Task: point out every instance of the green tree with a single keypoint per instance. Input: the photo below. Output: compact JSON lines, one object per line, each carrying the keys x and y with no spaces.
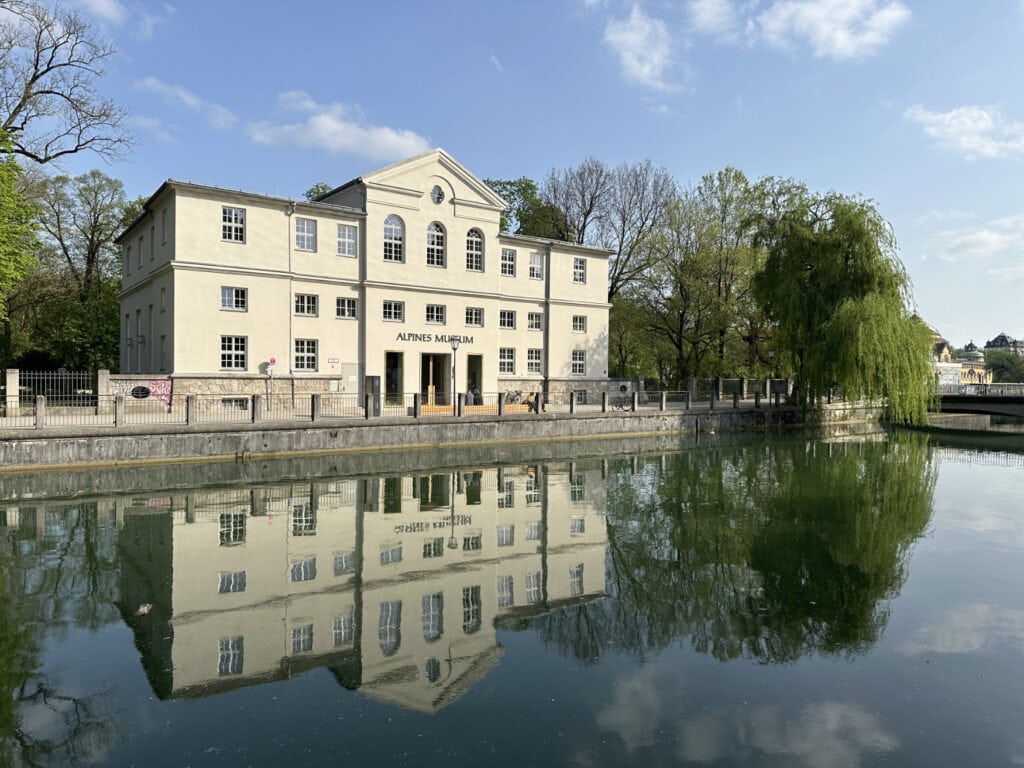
{"x":317,"y":191}
{"x":837,"y":293}
{"x":1005,"y":366}
{"x":527,"y":214}
{"x":17,"y":228}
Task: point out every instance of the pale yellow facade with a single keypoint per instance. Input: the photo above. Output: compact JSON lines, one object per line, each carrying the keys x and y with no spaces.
{"x":236,"y":290}
{"x":397,"y":584}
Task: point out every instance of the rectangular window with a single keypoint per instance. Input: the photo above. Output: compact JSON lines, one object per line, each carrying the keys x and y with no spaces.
{"x":233,"y":353}
{"x":580,"y":396}
{"x":533,"y":360}
{"x":344,"y":562}
{"x":127,"y":259}
{"x":304,"y":570}
{"x":344,"y":629}
{"x":305,"y":354}
{"x":303,"y":519}
{"x":506,"y":360}
{"x":307,"y":304}
{"x":578,"y":524}
{"x":533,"y":530}
{"x":234,"y":299}
{"x":305,"y":234}
{"x":231,"y":656}
{"x":232,"y":528}
{"x":472,"y":618}
{"x":577,"y":493}
{"x":579,"y":362}
{"x":576,"y":580}
{"x":394,"y":311}
{"x":163,"y":299}
{"x":435,"y":314}
{"x":579,"y":323}
{"x":533,"y":583}
{"x":536,"y":266}
{"x":506,"y":535}
{"x":346,"y":308}
{"x":390,"y":553}
{"x":579,"y":270}
{"x":507,"y":319}
{"x":138,"y":255}
{"x":347,"y":240}
{"x":506,"y":494}
{"x":231,"y":581}
{"x":433,"y":616}
{"x":152,"y":243}
{"x":471,"y":542}
{"x":475,"y":316}
{"x":506,"y":596}
{"x":163,"y":226}
{"x":532,"y":489}
{"x":232,"y":227}
{"x":508,"y":262}
{"x":433,"y":547}
{"x":302,"y":639}
{"x":535,"y":321}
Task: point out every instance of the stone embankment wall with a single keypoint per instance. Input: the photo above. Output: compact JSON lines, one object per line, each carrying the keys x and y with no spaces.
{"x":52,"y":449}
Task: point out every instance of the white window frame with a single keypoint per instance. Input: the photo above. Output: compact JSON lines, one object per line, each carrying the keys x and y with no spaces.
{"x":234,"y":353}
{"x":475,"y":317}
{"x":307,"y":305}
{"x":305,"y":234}
{"x":508,"y":262}
{"x":436,"y":314}
{"x":346,"y":309}
{"x":579,"y":362}
{"x":393,"y":311}
{"x":507,"y":319}
{"x":534,"y":358}
{"x":505,"y":535}
{"x":579,"y":323}
{"x":507,"y":360}
{"x":394,"y":239}
{"x":474,"y":250}
{"x":232,"y":299}
{"x":232,"y":224}
{"x":535,"y":321}
{"x":348,"y":240}
{"x":306,"y":354}
{"x":436,"y":245}
{"x":579,"y":270}
{"x":536,"y":266}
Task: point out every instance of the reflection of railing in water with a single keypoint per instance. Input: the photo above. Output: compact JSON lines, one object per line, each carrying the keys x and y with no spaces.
{"x":980,"y":458}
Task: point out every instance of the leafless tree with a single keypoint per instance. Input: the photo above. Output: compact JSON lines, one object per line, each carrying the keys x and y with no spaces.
{"x":50,"y":63}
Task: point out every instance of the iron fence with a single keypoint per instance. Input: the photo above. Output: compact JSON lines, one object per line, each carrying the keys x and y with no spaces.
{"x":69,"y":388}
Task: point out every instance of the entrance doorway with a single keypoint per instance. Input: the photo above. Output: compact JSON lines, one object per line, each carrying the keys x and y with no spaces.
{"x":435,"y":377}
{"x":474,"y":373}
{"x":393,"y":378}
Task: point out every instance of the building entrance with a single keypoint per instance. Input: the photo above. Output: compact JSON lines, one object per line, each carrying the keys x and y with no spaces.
{"x":474,"y":373}
{"x":393,"y":378}
{"x":435,"y":379}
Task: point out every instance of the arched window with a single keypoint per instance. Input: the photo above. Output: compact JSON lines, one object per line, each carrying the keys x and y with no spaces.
{"x":475,"y":250}
{"x":394,"y":239}
{"x":435,"y":245}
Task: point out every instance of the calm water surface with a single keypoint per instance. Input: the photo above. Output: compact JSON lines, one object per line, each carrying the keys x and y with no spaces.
{"x":771,"y":602}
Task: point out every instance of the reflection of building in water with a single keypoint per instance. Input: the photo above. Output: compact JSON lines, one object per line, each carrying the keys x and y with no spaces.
{"x":394,"y":583}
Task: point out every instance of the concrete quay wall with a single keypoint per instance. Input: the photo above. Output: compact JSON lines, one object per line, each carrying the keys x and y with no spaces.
{"x":60,"y":449}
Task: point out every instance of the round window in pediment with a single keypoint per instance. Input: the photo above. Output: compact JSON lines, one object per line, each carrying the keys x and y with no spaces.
{"x":437,"y":195}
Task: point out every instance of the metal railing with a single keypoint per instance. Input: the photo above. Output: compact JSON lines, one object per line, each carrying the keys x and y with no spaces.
{"x":113,"y":411}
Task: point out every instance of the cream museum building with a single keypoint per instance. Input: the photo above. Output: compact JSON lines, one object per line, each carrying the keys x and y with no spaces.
{"x":386,"y":284}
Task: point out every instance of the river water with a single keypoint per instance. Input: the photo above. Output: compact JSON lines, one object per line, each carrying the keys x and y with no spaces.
{"x":735,"y":601}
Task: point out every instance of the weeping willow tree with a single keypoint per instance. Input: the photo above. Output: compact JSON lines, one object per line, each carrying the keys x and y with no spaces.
{"x":834,"y":286}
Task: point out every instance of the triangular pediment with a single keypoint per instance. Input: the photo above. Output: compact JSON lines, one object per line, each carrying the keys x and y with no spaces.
{"x":420,"y":174}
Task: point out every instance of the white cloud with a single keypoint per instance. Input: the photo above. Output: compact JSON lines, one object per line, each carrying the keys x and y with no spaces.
{"x":217,"y":115}
{"x":841,"y":29}
{"x":972,"y":131}
{"x":110,"y":11}
{"x":496,"y":63}
{"x":153,"y":126}
{"x":968,"y":628}
{"x":713,"y":17}
{"x":644,"y":48}
{"x":137,"y":15}
{"x":1004,"y":236}
{"x":336,"y":128}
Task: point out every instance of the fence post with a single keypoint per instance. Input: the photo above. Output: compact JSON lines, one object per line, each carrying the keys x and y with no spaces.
{"x":315,"y":406}
{"x":190,"y":410}
{"x":735,"y":400}
{"x":743,"y":388}
{"x":118,"y":410}
{"x":257,"y":408}
{"x":13,"y":382}
{"x":663,"y":400}
{"x":711,"y":403}
{"x":572,"y":403}
{"x":717,"y":383}
{"x":691,"y":387}
{"x":102,"y":383}
{"x":40,"y":411}
{"x":686,"y":400}
{"x":367,"y":398}
{"x":417,"y":406}
{"x":460,"y":405}
{"x":636,"y":401}
{"x":757,"y":399}
{"x":776,"y":399}
{"x":604,"y":402}
{"x":501,"y":404}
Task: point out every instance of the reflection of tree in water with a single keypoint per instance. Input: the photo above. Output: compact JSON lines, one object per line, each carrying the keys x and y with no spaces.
{"x":58,"y":571}
{"x":761,"y":553}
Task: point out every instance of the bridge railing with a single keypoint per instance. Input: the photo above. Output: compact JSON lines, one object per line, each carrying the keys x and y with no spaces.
{"x":990,"y":390}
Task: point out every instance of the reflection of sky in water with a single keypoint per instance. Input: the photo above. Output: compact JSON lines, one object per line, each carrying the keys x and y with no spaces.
{"x":983,"y":501}
{"x":968,"y":628}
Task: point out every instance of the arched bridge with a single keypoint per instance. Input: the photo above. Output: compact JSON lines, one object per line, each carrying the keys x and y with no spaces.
{"x":993,"y":399}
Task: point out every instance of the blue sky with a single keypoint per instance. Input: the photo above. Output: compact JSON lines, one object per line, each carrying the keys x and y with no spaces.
{"x":918,"y":105}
